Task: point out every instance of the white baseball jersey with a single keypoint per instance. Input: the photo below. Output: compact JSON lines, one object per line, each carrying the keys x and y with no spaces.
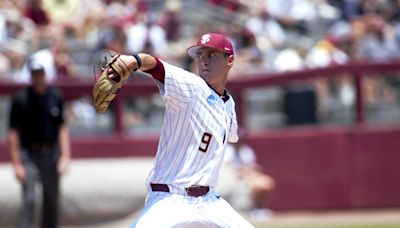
{"x":196,"y":128}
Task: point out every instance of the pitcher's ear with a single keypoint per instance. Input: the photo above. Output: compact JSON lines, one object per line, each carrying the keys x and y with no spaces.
{"x":231,"y":58}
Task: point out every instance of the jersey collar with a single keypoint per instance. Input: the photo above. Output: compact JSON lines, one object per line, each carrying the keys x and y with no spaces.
{"x":225,"y":97}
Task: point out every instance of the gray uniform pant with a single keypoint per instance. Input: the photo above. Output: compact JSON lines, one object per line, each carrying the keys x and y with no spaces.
{"x":40,"y":167}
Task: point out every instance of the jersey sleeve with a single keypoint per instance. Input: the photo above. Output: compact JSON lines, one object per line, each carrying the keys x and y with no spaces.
{"x":179,"y":86}
{"x":15,"y":114}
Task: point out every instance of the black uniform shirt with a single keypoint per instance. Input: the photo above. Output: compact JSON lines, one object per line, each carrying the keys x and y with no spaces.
{"x":37,"y":118}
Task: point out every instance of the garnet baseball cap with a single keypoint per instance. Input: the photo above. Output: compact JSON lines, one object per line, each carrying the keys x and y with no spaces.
{"x":212,"y":40}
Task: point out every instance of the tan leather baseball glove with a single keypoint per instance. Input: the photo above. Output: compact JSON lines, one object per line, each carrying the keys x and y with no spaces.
{"x":116,"y":72}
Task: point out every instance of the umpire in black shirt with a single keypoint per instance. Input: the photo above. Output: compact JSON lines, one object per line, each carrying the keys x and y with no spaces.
{"x":39,"y":146}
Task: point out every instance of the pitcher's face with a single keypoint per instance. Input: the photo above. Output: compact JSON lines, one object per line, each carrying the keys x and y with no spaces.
{"x":213,"y":63}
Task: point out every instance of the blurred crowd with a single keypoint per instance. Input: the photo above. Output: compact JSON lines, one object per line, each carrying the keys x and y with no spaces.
{"x":268,"y":35}
{"x":69,"y":38}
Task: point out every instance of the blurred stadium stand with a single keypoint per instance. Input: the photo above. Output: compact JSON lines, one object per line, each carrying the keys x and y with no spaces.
{"x":339,"y":161}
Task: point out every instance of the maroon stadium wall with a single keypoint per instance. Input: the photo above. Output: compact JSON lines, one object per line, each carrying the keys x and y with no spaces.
{"x":331,"y":168}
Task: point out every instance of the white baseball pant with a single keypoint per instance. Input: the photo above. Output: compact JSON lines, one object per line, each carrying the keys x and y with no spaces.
{"x":166,"y":210}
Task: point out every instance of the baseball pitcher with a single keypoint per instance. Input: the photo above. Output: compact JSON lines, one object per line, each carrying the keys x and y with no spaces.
{"x":200,"y":119}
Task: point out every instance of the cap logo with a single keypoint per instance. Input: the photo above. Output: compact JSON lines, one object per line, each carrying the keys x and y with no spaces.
{"x":205,"y":38}
{"x":227,"y":49}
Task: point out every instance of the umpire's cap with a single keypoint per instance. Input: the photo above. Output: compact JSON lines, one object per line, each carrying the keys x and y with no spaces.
{"x":212,"y":40}
{"x":35,"y":67}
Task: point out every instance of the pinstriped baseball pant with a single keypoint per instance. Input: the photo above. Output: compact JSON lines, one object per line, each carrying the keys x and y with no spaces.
{"x":166,"y":210}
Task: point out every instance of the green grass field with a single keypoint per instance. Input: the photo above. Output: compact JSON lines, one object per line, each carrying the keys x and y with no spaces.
{"x":338,"y":225}
{"x":384,"y":218}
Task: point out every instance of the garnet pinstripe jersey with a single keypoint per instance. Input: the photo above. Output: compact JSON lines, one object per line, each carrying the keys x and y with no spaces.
{"x":197,"y":126}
